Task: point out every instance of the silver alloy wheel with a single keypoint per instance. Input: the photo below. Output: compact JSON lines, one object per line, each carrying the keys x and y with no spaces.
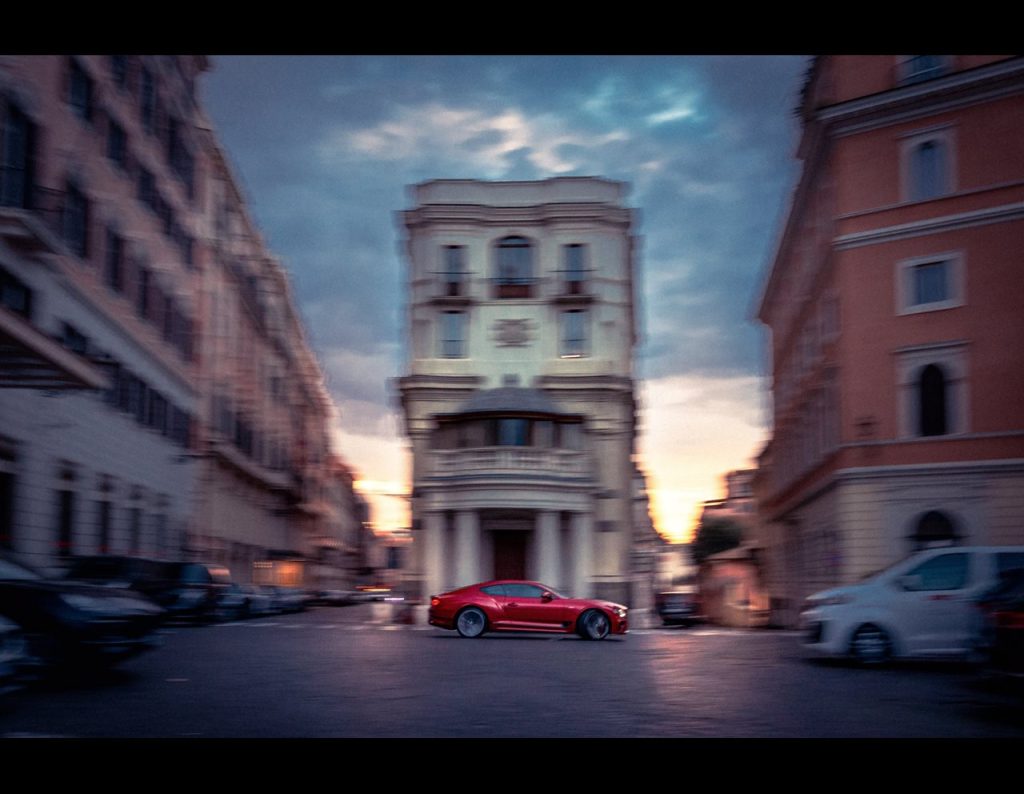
{"x":471,"y":622}
{"x":595,"y":625}
{"x":871,"y":645}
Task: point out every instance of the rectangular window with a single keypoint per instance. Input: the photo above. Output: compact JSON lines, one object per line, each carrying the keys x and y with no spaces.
{"x":515,"y":268}
{"x":453,"y":343}
{"x":15,"y":295}
{"x":147,"y":105}
{"x":147,"y":189}
{"x":918,"y":68}
{"x":103,"y":526}
{"x":74,"y":340}
{"x":573,"y":334}
{"x":142,"y":296}
{"x":16,"y":137}
{"x":6,"y":510}
{"x":80,"y":95}
{"x":117,"y":150}
{"x":65,"y":523}
{"x":119,"y":70}
{"x":575,"y":274}
{"x":454,"y":269}
{"x":115,"y":261}
{"x":76,"y":221}
{"x":929,"y":284}
{"x":513,"y":432}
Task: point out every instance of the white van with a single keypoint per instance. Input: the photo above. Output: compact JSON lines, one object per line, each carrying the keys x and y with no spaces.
{"x":923,"y":606}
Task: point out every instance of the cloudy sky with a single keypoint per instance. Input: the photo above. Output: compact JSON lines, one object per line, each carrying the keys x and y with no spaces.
{"x":324,"y":148}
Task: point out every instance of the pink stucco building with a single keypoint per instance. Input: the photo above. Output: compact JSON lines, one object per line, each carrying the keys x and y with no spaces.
{"x":895,"y":311}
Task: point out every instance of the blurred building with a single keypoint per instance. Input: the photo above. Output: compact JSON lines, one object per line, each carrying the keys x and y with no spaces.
{"x":647,"y":546}
{"x":265,"y":464}
{"x":894,"y":310}
{"x":519,"y":402}
{"x":99,"y":258}
{"x":738,"y":504}
{"x":160,"y":396}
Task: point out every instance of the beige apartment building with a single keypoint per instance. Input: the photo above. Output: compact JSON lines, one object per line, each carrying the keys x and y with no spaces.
{"x":519,"y":398}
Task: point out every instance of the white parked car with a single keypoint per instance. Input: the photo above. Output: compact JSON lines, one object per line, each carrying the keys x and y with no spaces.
{"x":923,"y":606}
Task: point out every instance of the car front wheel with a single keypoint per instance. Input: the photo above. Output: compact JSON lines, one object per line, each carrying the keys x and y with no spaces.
{"x":594,"y":625}
{"x":871,"y":645}
{"x":471,"y":622}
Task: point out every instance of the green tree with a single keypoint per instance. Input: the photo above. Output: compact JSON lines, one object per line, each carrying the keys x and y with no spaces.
{"x":715,"y":534}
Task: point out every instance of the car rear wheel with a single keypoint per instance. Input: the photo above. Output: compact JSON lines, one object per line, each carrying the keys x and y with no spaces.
{"x":871,"y":645}
{"x":594,"y":625}
{"x":471,"y":622}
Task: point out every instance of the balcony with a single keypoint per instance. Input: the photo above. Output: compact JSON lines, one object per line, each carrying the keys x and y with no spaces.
{"x":512,"y":463}
{"x":451,"y":291}
{"x":573,"y":290}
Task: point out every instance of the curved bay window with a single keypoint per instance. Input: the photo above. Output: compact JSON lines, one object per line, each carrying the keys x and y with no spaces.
{"x":515,"y":268}
{"x":509,"y":431}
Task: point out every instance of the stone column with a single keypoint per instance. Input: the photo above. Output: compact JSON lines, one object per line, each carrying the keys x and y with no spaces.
{"x":582,"y":529}
{"x":433,"y":553}
{"x":467,"y":548}
{"x":547,"y":559}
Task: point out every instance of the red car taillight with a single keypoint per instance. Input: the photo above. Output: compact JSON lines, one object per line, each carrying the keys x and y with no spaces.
{"x":1010,"y":620}
{"x":434,"y":601}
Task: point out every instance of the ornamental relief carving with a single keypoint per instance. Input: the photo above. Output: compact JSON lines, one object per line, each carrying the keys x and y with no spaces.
{"x":513,"y":333}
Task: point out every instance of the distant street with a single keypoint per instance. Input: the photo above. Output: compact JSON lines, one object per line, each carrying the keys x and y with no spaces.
{"x":333,"y":673}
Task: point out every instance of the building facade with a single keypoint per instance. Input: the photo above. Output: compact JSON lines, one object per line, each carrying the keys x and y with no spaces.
{"x":159,"y":397}
{"x":894,"y":310}
{"x":519,"y":399}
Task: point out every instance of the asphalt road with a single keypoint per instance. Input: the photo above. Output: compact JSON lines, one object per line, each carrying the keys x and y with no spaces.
{"x":331,"y":673}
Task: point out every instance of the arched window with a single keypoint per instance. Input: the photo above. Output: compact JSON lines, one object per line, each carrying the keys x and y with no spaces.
{"x":928,"y":170}
{"x":515,"y":268}
{"x":934,"y":528}
{"x":931,"y":389}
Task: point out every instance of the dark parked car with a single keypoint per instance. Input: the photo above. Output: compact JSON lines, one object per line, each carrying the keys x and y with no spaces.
{"x":14,"y":658}
{"x":67,"y":623}
{"x":678,"y":607}
{"x":185,"y":590}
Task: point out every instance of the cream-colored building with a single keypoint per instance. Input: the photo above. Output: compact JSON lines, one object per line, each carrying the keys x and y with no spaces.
{"x":519,"y":399}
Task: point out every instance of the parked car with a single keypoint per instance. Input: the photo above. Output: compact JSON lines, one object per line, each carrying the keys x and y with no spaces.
{"x":922,"y":606}
{"x":512,"y":605}
{"x":334,"y":598}
{"x":185,"y":590}
{"x":67,"y":623}
{"x":233,"y":603}
{"x":678,"y":607}
{"x":260,"y":602}
{"x":14,"y":658}
{"x":148,"y":577}
{"x":289,"y":599}
{"x":1000,"y":650}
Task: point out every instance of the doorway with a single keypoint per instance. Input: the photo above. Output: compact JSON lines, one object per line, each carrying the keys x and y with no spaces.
{"x":510,"y":554}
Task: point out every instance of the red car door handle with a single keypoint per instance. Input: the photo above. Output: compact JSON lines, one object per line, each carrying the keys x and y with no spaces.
{"x":513,"y":604}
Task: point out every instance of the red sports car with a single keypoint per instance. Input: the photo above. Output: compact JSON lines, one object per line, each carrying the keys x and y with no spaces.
{"x":506,"y":605}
